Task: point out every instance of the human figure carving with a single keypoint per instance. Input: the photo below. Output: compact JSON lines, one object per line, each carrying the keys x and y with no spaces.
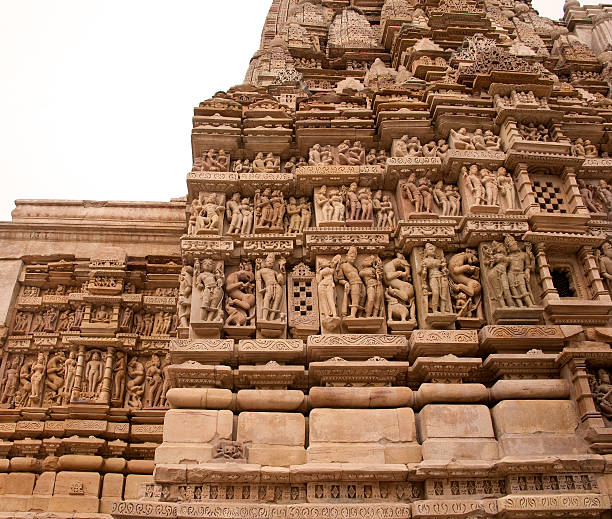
{"x":37,"y":373}
{"x":399,"y":291}
{"x":94,"y":372}
{"x":135,"y":383}
{"x":233,"y":214}
{"x":323,"y":201}
{"x":412,"y":193}
{"x":184,"y":299}
{"x":240,"y":301}
{"x":372,"y":274}
{"x":347,"y":274}
{"x":461,"y":140}
{"x":519,"y":272}
{"x":305,"y":213}
{"x":272,"y":283}
{"x":11,"y":382}
{"x":119,"y":372}
{"x":506,"y":189}
{"x":326,"y":289}
{"x":474,"y":184}
{"x":54,"y":380}
{"x":434,"y":273}
{"x":153,"y":382}
{"x":491,"y":187}
{"x":208,"y":281}
{"x":70,"y":366}
{"x":464,"y":273}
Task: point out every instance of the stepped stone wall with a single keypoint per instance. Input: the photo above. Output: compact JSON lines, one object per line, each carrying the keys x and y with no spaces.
{"x":386,"y":292}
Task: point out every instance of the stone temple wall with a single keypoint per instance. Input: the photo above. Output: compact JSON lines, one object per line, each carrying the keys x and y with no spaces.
{"x":385,"y":294}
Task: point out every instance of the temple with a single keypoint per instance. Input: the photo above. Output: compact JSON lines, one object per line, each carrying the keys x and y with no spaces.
{"x":386,"y":293}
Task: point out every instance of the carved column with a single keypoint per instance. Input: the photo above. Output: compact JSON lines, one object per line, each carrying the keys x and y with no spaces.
{"x":572,"y":192}
{"x":576,"y":371}
{"x":548,"y":288}
{"x":105,"y":392}
{"x":524,"y":190}
{"x":596,"y":283}
{"x":78,"y":377}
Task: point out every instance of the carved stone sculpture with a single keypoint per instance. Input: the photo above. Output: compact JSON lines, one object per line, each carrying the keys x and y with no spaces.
{"x":240,"y":300}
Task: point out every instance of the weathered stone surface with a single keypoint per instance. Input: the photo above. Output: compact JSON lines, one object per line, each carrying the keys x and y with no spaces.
{"x":455,"y":421}
{"x":197,"y":426}
{"x":272,"y":428}
{"x":362,"y":425}
{"x":360,"y":397}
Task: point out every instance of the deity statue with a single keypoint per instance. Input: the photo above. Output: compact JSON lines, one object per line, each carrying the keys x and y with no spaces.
{"x":434,"y":273}
{"x":94,"y":371}
{"x":272,"y":283}
{"x":588,"y":197}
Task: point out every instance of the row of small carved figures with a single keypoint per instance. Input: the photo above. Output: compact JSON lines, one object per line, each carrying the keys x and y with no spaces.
{"x":270,"y":210}
{"x":354,"y":154}
{"x":366,"y":283}
{"x":51,"y":319}
{"x":49,"y":379}
{"x":63,"y":290}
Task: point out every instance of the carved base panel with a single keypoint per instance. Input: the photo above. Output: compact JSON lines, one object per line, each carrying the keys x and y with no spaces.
{"x":363,"y":324}
{"x":207,"y":329}
{"x":507,"y":315}
{"x":440,"y":320}
{"x":239,"y":332}
{"x":516,"y":506}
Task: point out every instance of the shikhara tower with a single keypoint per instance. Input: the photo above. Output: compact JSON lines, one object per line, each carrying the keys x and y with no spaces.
{"x":386,"y":293}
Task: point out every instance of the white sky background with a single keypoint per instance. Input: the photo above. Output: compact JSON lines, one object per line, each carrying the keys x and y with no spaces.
{"x":96,"y":96}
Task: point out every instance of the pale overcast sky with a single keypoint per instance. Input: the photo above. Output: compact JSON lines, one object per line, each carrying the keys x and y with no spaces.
{"x":96,"y":96}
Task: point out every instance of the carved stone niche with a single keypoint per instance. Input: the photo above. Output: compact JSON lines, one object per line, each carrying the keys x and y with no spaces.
{"x":240,"y":302}
{"x":510,"y":284}
{"x":569,"y":296}
{"x":538,"y":135}
{"x":101,"y":315}
{"x":351,"y":296}
{"x":419,"y":197}
{"x":205,"y":214}
{"x":271,"y":287}
{"x":487,"y":191}
{"x":432,"y":288}
{"x":207,"y":310}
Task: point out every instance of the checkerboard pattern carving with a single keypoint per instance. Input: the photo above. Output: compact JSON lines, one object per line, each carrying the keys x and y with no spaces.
{"x":549,"y":196}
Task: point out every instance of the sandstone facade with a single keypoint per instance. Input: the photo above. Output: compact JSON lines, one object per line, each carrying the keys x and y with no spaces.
{"x":385,"y":294}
